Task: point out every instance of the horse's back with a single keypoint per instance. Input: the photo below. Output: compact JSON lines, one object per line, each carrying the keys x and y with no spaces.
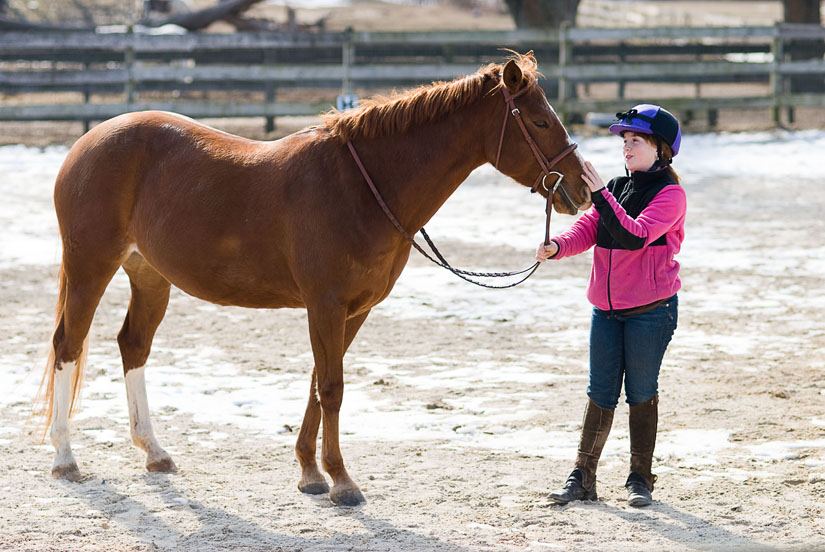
{"x":226,"y":219}
{"x":216,"y":214}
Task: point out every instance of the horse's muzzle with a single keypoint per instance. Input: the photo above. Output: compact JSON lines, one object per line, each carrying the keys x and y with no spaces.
{"x":587,"y":197}
{"x":568,"y":205}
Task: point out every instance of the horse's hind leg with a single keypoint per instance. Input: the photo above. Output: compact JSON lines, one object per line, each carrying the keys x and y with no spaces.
{"x":82,"y":283}
{"x":150,"y":296}
{"x":326,"y":391}
{"x":312,"y":480}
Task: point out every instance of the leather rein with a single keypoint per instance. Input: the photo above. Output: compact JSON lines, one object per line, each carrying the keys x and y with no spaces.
{"x":546,"y":170}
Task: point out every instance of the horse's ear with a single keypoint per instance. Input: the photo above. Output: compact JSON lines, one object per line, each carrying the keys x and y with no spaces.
{"x":512,"y":76}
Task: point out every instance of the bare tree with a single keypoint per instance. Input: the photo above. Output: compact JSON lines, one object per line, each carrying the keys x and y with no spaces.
{"x":200,"y":19}
{"x":531,"y":14}
{"x":88,"y":14}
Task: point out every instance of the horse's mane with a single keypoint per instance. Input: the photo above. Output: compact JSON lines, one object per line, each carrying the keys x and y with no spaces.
{"x":384,"y":116}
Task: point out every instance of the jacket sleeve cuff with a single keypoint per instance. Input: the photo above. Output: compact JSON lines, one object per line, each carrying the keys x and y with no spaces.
{"x":598,"y":196}
{"x":558,"y":249}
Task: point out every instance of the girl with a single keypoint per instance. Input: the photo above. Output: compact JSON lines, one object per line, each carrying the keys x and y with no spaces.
{"x":637,"y":226}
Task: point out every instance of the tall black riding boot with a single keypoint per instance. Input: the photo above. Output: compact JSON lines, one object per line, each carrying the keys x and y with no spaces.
{"x":581,"y":484}
{"x":644,"y":418}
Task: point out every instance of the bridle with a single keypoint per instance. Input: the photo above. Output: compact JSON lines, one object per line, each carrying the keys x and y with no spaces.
{"x":545,"y":163}
{"x":546,"y":166}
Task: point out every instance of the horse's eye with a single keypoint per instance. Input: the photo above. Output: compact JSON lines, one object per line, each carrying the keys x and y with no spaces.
{"x":541,"y":124}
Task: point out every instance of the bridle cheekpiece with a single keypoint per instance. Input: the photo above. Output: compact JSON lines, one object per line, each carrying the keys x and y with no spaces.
{"x":545,"y":163}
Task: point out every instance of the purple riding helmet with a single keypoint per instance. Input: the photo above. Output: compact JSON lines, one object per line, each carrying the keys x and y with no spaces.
{"x":650,"y":119}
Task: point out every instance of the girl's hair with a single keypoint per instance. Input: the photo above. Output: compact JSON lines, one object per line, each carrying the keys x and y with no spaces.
{"x":666,"y":154}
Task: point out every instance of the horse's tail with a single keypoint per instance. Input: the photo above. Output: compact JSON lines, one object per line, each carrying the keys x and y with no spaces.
{"x":44,"y":401}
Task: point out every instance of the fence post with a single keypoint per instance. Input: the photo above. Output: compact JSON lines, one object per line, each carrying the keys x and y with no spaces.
{"x":269,"y":92}
{"x":87,"y":95}
{"x":347,"y":60}
{"x":776,"y":83}
{"x":564,"y":60}
{"x":622,"y":57}
{"x":129,"y":62}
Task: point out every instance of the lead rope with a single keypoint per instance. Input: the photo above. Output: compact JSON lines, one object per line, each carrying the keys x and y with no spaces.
{"x":441,"y":261}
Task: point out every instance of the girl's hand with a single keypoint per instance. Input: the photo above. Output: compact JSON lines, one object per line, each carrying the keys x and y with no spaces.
{"x":592,"y":178}
{"x":546,"y":251}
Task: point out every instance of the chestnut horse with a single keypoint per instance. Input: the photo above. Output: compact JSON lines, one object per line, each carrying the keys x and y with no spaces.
{"x":289,"y":223}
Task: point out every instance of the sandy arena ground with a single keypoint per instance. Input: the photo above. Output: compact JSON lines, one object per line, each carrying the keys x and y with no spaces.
{"x":493,"y":381}
{"x":741,"y":460}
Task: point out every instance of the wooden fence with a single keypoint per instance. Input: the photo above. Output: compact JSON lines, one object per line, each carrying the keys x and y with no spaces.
{"x":94,"y":76}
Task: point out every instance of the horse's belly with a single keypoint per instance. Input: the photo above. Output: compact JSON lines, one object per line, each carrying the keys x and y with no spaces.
{"x":228,"y":281}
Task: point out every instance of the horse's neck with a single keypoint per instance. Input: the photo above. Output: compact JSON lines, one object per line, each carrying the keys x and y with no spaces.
{"x":417,"y":172}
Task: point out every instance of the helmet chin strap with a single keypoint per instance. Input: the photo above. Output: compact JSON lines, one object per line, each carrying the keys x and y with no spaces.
{"x":660,"y":160}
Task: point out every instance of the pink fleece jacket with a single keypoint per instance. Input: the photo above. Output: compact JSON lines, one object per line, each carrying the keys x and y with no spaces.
{"x":636,"y":238}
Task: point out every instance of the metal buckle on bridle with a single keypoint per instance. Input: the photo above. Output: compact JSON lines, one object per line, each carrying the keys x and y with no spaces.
{"x":515,"y":111}
{"x":543,"y":183}
{"x":557,"y":183}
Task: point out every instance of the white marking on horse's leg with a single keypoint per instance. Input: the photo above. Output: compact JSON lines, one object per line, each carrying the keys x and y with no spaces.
{"x":64,"y":466}
{"x":140,"y":425}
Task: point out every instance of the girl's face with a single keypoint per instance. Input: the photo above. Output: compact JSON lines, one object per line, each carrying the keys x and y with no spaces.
{"x":639,"y":154}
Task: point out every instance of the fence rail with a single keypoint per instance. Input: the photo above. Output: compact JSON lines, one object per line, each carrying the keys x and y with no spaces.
{"x":161,"y":72}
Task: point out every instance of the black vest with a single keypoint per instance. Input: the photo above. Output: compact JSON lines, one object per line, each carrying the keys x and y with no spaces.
{"x":634,"y":193}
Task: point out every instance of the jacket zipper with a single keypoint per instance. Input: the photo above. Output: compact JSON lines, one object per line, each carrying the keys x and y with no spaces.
{"x":625,"y":195}
{"x":609,"y":272}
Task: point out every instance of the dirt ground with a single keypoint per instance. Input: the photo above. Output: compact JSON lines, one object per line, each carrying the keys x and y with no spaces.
{"x":405,"y":15}
{"x":746,"y":361}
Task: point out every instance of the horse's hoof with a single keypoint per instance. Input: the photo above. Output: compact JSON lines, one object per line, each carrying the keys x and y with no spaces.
{"x":165,"y":465}
{"x":347,"y":497}
{"x":314,"y":488}
{"x":69,"y":472}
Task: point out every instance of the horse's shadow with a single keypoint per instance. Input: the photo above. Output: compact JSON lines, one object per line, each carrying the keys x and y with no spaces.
{"x":688,"y":530}
{"x":221,"y":530}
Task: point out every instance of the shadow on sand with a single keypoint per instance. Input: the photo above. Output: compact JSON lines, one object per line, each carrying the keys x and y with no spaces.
{"x":221,"y":530}
{"x":687,"y":530}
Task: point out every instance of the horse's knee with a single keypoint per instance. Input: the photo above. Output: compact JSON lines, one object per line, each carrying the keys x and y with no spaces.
{"x":304,"y":448}
{"x":331,"y":395}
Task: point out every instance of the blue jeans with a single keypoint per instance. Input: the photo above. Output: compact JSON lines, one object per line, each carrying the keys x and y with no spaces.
{"x":629,"y":348}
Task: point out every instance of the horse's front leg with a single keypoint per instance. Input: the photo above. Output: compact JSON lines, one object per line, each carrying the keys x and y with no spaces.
{"x":312,"y":481}
{"x":330,"y":335}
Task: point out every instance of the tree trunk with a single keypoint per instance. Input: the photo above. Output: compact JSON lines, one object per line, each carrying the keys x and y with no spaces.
{"x":804,"y":11}
{"x":801,"y":11}
{"x":535,"y":14}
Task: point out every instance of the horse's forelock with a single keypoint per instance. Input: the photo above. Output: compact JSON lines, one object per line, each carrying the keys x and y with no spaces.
{"x":397,"y":113}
